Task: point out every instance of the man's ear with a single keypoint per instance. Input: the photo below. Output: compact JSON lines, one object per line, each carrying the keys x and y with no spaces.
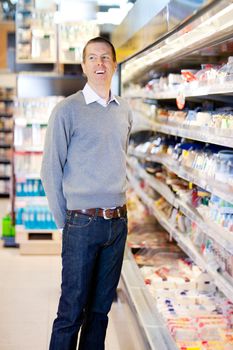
{"x":83,"y":67}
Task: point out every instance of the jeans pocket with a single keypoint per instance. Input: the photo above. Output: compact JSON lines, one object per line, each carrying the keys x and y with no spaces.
{"x":80,"y":220}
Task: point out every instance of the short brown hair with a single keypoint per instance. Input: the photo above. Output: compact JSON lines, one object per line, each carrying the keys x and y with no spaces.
{"x":99,"y":39}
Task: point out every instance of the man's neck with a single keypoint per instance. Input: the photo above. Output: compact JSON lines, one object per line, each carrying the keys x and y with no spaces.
{"x":102,"y":91}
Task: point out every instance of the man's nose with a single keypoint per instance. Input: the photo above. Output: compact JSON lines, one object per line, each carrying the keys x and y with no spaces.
{"x":99,"y":60}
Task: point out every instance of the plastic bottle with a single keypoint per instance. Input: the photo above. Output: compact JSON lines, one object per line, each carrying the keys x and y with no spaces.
{"x":25,"y":217}
{"x":36,"y":188}
{"x":43,"y":218}
{"x":6,"y":226}
{"x":29,"y":187}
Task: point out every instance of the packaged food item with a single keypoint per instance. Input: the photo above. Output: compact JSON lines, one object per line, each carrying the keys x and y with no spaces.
{"x":225,"y":73}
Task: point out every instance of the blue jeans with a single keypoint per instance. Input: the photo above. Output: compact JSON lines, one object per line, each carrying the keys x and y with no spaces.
{"x":92,"y":255}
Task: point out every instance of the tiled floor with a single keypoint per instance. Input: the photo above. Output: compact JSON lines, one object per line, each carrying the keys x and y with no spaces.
{"x":29,"y":292}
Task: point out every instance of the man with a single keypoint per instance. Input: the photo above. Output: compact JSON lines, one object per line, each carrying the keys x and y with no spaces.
{"x":84,"y":176}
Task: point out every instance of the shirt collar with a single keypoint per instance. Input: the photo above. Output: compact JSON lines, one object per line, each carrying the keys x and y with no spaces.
{"x":91,"y":96}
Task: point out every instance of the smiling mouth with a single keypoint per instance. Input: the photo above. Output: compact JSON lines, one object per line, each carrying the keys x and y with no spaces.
{"x":100,"y":72}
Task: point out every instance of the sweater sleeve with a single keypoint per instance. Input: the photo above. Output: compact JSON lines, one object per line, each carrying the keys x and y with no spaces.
{"x":53,"y":162}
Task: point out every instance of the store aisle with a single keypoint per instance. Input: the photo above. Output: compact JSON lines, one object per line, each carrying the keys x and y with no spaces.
{"x":29,"y":291}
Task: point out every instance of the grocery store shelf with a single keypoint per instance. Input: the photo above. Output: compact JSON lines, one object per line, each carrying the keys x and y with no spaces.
{"x":30,"y":121}
{"x":4,"y":195}
{"x":6,"y":100}
{"x":4,"y":177}
{"x":189,"y":90}
{"x":150,"y":204}
{"x":69,"y":62}
{"x":222,"y":190}
{"x":200,"y":133}
{"x":6,"y":130}
{"x":156,"y":332}
{"x":22,"y":177}
{"x":25,"y":198}
{"x":29,"y":149}
{"x":220,"y":281}
{"x":157,"y":185}
{"x":36,"y":60}
{"x":6,"y":115}
{"x":219,"y":234}
{"x":21,"y":228}
{"x":33,"y":122}
{"x":184,"y":242}
{"x":5,"y":145}
{"x":20,"y":202}
{"x":5,"y":161}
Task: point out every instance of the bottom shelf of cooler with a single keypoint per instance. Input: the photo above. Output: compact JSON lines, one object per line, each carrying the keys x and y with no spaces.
{"x":153,"y":326}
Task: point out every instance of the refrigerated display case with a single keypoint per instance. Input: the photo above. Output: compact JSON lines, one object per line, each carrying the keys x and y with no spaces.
{"x":182,"y":87}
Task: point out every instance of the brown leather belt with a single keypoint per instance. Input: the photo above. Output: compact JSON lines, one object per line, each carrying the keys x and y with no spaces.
{"x":104,"y":213}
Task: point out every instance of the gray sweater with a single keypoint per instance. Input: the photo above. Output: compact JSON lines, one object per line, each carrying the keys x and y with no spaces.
{"x":84,"y":161}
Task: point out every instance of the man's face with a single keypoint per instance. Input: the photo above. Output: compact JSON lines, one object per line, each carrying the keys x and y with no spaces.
{"x":99,"y":66}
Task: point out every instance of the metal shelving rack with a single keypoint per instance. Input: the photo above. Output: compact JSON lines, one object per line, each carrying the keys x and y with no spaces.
{"x":36,"y":32}
{"x":6,"y":146}
{"x":39,"y":39}
{"x":203,"y":89}
{"x":36,"y":232}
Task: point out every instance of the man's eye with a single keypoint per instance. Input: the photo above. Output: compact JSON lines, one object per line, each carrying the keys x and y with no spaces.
{"x":91,"y":58}
{"x":106,"y":58}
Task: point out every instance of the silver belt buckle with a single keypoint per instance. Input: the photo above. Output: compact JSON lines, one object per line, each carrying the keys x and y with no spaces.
{"x":105,"y":216}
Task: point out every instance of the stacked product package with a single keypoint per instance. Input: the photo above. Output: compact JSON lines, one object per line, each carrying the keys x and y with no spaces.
{"x":197,"y":315}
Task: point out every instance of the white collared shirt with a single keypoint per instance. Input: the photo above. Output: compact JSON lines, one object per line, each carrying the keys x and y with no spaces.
{"x":91,"y":96}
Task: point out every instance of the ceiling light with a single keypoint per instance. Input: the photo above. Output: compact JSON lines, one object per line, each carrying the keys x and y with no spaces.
{"x":73,"y":10}
{"x":114,"y":15}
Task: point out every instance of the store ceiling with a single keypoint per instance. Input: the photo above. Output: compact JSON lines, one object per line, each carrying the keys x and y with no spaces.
{"x":108,"y":13}
{"x":113,"y":11}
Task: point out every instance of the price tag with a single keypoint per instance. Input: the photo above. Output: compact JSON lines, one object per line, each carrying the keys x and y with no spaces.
{"x":180,"y":100}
